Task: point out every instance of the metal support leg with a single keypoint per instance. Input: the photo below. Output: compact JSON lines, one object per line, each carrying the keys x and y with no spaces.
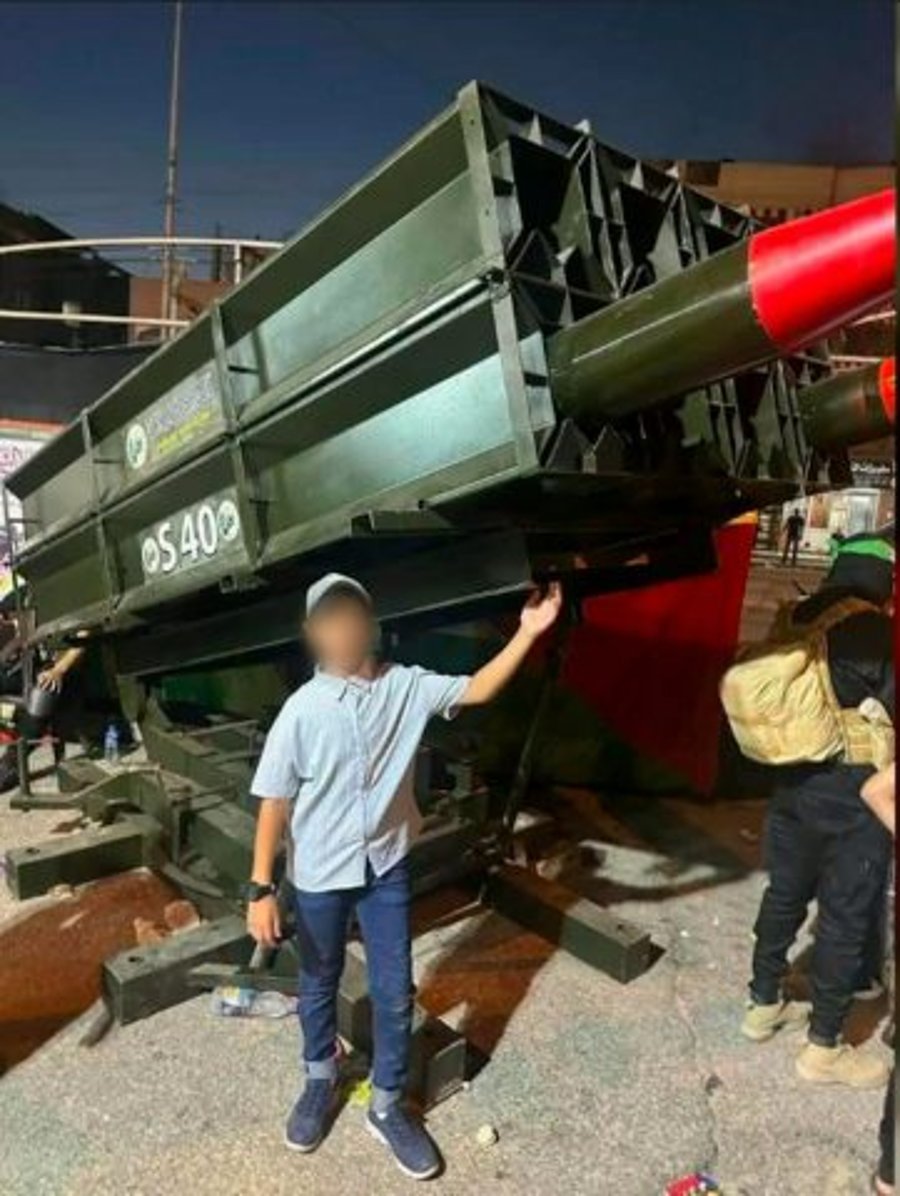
{"x":525,"y":764}
{"x":22,"y":767}
{"x":595,"y":935}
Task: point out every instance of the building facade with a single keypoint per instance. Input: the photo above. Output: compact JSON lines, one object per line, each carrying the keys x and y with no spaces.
{"x":67,"y":281}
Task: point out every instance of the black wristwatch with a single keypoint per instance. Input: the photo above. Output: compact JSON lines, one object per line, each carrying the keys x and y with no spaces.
{"x":256,"y":892}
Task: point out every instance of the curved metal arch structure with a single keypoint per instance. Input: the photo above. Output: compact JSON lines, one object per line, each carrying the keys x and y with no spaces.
{"x":238,"y":245}
{"x":110,"y":242}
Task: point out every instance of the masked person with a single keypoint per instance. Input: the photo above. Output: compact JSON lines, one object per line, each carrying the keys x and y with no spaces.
{"x":821,"y":842}
{"x":336,"y":771}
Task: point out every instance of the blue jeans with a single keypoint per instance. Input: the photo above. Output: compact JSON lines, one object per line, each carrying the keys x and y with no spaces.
{"x":382,"y":910}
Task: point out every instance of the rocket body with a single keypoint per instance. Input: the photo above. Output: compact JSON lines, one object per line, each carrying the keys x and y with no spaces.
{"x":782,"y":289}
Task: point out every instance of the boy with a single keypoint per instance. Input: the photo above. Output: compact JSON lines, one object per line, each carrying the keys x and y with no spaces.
{"x":337,"y":765}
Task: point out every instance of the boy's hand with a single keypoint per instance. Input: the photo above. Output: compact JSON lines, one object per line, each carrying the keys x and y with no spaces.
{"x":539,"y":612}
{"x":51,"y":679}
{"x":263,"y":921}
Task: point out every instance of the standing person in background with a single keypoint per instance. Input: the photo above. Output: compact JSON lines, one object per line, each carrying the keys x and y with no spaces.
{"x":879,"y":794}
{"x":793,"y":535}
{"x":31,"y":725}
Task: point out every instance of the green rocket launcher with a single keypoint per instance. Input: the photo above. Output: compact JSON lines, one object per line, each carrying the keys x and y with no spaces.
{"x":510,"y":351}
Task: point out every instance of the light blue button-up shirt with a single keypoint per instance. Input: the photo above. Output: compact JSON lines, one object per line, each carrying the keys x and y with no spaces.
{"x":342,"y":751}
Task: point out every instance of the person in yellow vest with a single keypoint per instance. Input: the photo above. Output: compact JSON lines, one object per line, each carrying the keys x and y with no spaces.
{"x":822,"y":843}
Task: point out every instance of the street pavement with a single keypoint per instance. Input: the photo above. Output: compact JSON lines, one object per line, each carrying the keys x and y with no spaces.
{"x":593,"y":1088}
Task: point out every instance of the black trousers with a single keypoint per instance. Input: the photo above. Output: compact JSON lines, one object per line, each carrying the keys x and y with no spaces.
{"x":886,"y":1134}
{"x":791,"y":548}
{"x":822,"y":843}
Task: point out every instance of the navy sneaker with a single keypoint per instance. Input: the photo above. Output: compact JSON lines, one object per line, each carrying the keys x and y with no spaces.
{"x":414,"y":1152}
{"x":310,"y":1117}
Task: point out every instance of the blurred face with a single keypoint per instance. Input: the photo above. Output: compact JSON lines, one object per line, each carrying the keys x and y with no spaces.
{"x":341,"y":633}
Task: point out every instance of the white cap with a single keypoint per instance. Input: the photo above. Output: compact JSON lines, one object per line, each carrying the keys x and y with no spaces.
{"x":333,"y":581}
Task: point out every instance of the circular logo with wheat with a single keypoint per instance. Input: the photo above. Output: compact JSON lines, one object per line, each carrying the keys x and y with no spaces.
{"x":150,"y":556}
{"x":136,"y":446}
{"x":228,"y":521}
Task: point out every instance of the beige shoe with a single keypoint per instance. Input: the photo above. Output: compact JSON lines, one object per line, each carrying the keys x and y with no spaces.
{"x":762,"y":1021}
{"x":841,"y":1064}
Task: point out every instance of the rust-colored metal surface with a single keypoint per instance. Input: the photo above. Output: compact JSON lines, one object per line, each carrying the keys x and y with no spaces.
{"x":53,"y":950}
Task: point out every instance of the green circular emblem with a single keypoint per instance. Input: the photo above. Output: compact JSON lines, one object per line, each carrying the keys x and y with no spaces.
{"x":136,"y":446}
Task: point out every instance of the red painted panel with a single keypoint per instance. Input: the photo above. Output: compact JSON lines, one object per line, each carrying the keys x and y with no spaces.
{"x":649,"y":661}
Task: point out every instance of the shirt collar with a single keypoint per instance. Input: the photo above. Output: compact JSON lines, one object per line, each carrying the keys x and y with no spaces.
{"x":334,"y":684}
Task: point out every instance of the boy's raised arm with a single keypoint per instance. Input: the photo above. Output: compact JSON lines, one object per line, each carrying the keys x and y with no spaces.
{"x":538,"y":614}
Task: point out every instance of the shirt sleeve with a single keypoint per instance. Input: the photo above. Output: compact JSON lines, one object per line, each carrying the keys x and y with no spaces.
{"x":439,"y":693}
{"x":278,"y":772}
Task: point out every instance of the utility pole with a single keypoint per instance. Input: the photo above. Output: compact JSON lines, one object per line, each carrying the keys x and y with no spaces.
{"x":169,"y":271}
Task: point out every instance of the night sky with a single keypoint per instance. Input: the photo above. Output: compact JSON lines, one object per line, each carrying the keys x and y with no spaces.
{"x":286,"y":104}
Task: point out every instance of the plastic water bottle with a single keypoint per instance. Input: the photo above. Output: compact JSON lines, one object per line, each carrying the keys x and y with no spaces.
{"x":111,"y":744}
{"x":233,"y":1001}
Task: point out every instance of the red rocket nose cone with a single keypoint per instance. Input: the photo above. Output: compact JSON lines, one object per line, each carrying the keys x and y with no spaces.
{"x":815,"y":274}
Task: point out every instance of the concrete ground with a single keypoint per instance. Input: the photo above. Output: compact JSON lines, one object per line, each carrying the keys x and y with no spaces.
{"x":595,"y":1089}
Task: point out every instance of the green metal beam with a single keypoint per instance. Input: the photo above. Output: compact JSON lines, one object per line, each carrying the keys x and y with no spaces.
{"x":144,"y":980}
{"x":584,"y":929}
{"x":224,"y":835}
{"x":87,"y":855}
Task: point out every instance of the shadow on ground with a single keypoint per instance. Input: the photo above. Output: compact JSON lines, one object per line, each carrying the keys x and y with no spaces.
{"x":52,"y":953}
